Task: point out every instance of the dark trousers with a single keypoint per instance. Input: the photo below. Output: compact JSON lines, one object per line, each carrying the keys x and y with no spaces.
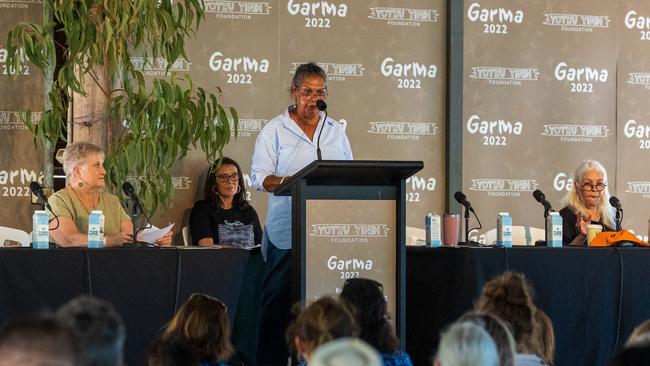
{"x":275,"y":309}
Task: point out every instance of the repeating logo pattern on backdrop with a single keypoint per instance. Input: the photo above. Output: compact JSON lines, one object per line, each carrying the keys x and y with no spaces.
{"x":9,"y":71}
{"x":500,"y":76}
{"x":157,"y":67}
{"x":639,"y":78}
{"x":640,"y":188}
{"x":634,"y":130}
{"x":238,"y":69}
{"x":15,"y":182}
{"x":575,"y":133}
{"x":237,"y":10}
{"x":336,"y":71}
{"x":581,"y":78}
{"x":404,"y":16}
{"x":19,"y":4}
{"x":494,"y":132}
{"x":318,"y":14}
{"x":503,"y":187}
{"x":497,"y":21}
{"x":12,"y":120}
{"x":396,"y":130}
{"x":639,"y":22}
{"x":410,"y":74}
{"x":576,"y":22}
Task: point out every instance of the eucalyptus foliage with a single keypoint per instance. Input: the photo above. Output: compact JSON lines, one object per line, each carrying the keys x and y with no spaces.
{"x":156,"y":123}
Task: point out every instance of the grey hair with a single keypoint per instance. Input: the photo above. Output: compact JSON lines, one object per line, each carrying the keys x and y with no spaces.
{"x":467,"y":344}
{"x":572,"y":199}
{"x":304,"y":71}
{"x":76,"y":153}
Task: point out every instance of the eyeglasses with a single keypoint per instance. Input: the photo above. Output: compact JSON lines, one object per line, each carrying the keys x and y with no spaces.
{"x":225,"y":178}
{"x":308,"y":93}
{"x":594,"y":187}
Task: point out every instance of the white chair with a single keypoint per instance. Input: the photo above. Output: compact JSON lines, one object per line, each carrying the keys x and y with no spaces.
{"x":521,"y":235}
{"x":9,"y":236}
{"x":185,"y":232}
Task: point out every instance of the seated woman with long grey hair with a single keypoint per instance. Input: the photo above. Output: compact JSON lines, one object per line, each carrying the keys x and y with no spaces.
{"x":586,"y":203}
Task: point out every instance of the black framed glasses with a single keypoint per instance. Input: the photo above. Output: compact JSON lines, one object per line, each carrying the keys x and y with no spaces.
{"x":598,"y":187}
{"x":225,"y":178}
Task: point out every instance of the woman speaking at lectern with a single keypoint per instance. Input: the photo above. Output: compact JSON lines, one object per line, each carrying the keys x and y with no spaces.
{"x":586,"y":203}
{"x":285,"y":145}
{"x":83,"y":164}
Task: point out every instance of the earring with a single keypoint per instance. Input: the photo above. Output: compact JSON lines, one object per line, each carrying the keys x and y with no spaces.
{"x":238,"y":188}
{"x":80,"y":184}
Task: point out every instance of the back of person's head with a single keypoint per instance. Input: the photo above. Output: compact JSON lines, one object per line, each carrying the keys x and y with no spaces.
{"x":545,"y":337}
{"x":365,"y":298}
{"x":172,"y":351}
{"x":466,"y":344}
{"x":37,"y":341}
{"x":322,"y":321}
{"x":203,"y":320}
{"x":510,"y":298}
{"x":499,"y":332}
{"x":99,"y":328}
{"x":632,"y":356}
{"x":345,"y":352}
{"x":640,"y":335}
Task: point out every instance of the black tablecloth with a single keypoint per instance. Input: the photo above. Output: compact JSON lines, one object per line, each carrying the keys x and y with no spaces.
{"x":594,"y":296}
{"x":145,"y":285}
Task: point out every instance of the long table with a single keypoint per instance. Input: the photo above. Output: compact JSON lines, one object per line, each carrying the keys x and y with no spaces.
{"x":145,"y":285}
{"x":594,"y":296}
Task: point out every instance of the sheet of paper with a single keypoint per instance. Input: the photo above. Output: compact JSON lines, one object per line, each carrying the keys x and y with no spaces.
{"x":152,"y":234}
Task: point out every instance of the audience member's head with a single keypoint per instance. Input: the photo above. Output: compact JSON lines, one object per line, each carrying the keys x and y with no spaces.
{"x":545,"y":337}
{"x":203,"y":321}
{"x":365,"y":298}
{"x":345,"y":352}
{"x":98,"y":327}
{"x":632,"y":356}
{"x":466,"y":344}
{"x":37,"y":341}
{"x":172,"y":351}
{"x":509,"y":297}
{"x":640,"y":335}
{"x":499,"y":332}
{"x":324,"y":320}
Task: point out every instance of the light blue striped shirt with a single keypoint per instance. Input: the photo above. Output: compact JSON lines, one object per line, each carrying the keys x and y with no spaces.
{"x":282,"y":149}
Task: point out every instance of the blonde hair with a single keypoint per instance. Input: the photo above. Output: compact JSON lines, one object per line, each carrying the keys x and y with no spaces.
{"x":203,"y":321}
{"x":640,"y":335}
{"x":76,"y":153}
{"x":572,"y":198}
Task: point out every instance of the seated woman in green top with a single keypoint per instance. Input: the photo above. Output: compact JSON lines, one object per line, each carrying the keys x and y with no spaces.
{"x":83,"y":164}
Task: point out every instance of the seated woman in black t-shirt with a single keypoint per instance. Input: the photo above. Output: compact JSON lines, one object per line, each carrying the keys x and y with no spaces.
{"x":586,"y":203}
{"x":224,"y":217}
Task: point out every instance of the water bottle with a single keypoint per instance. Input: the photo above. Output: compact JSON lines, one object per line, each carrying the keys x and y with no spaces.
{"x":40,"y":230}
{"x":96,"y":229}
{"x":554,"y":230}
{"x":432,"y":223}
{"x":504,"y":229}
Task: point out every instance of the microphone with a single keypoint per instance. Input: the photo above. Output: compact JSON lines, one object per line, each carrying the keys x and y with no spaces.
{"x":322,"y":106}
{"x":541,"y":198}
{"x":37,"y":190}
{"x":462,"y":199}
{"x":615,"y":202}
{"x":130,"y":192}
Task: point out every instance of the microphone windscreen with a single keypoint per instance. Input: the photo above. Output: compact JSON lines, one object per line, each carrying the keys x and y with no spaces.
{"x":35,"y":187}
{"x":614,"y":202}
{"x":321,"y":105}
{"x":127,"y":188}
{"x":539,"y":195}
{"x":460,"y":197}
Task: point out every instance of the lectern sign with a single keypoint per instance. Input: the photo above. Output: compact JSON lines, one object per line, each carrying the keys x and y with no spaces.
{"x":350,"y":239}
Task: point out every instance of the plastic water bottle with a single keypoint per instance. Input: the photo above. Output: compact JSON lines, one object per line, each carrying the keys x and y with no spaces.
{"x":432,"y":223}
{"x":554,"y":230}
{"x":40,"y":230}
{"x":96,"y":229}
{"x":504,"y":229}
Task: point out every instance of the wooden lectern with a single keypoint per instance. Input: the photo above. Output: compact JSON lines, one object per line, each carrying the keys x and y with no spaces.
{"x":348,"y":221}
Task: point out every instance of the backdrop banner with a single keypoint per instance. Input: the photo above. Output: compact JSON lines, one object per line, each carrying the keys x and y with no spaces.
{"x":20,"y":163}
{"x":539,"y":98}
{"x":385,"y":62}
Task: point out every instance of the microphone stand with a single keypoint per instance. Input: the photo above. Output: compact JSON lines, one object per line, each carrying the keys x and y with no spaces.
{"x":134,"y":219}
{"x":619,"y":219}
{"x":466,"y":225}
{"x":547,"y":208}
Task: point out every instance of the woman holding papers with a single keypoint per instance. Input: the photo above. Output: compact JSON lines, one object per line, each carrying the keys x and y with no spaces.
{"x":285,"y":145}
{"x":83,"y":164}
{"x":586,"y":203}
{"x":224,"y":217}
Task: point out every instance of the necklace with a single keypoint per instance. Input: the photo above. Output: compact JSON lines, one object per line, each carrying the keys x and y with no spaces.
{"x":82,"y":202}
